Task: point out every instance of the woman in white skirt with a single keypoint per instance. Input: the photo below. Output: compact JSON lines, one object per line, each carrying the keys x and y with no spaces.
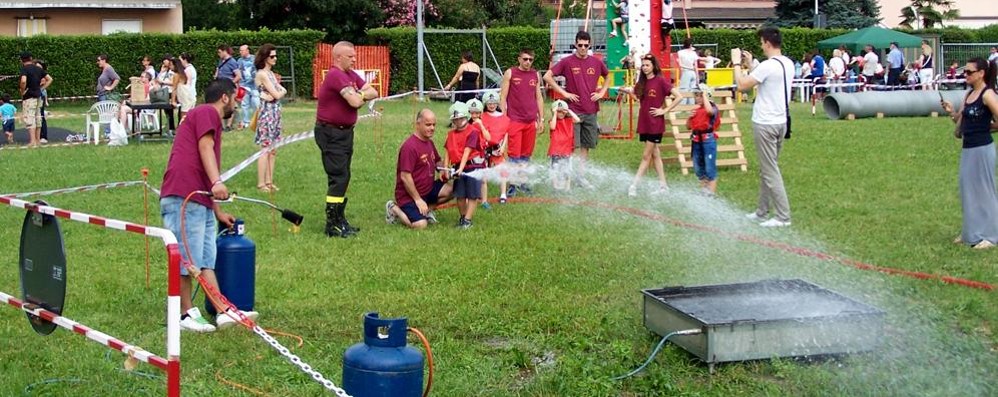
{"x":183,"y":91}
{"x":974,"y":125}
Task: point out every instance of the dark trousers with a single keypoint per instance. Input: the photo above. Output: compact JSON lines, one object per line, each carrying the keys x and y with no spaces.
{"x":893,"y":75}
{"x":45,"y":125}
{"x":336,"y":146}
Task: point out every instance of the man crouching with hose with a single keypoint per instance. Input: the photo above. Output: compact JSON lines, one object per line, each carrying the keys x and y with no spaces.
{"x":194,"y":167}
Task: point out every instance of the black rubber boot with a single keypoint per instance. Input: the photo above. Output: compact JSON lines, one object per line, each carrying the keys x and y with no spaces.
{"x":334,"y":220}
{"x":346,"y":224}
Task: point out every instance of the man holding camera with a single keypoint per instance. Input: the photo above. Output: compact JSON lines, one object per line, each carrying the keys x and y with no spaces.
{"x":770,"y":122}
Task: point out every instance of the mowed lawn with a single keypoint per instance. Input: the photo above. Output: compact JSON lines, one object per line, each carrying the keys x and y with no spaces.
{"x":536,"y":299}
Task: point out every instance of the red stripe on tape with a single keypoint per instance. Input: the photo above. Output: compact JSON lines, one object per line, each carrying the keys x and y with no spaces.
{"x":15,"y":302}
{"x":81,"y":329}
{"x":96,"y":220}
{"x":159,"y":362}
{"x":115,"y":344}
{"x":63,"y":214}
{"x":135,"y":228}
{"x":47,"y":315}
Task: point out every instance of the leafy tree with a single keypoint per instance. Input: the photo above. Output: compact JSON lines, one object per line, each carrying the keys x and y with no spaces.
{"x":849,"y":14}
{"x":340,"y":19}
{"x":212,"y":15}
{"x":931,"y":12}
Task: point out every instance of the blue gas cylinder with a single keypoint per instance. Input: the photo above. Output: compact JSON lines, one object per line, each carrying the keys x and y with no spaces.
{"x":383,"y":366}
{"x":235,"y":267}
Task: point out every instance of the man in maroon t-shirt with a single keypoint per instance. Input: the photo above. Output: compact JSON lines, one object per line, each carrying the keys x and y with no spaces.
{"x":194,"y":166}
{"x":417,"y":193}
{"x":522,"y":101}
{"x":342,"y":92}
{"x":583,"y":92}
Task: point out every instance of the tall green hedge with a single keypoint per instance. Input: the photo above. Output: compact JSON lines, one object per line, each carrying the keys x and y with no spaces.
{"x":446,"y":48}
{"x":72,"y":59}
{"x":506,"y":42}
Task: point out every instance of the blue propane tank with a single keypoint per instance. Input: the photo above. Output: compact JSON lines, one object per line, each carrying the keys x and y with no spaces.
{"x":383,"y":366}
{"x":235,"y":267}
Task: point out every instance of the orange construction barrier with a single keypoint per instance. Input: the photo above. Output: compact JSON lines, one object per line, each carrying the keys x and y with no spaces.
{"x":369,"y":58}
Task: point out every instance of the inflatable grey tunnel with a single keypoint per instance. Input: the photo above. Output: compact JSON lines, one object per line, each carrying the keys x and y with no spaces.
{"x":890,"y":103}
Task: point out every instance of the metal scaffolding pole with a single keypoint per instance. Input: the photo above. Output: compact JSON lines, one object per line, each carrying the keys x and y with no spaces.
{"x":419,"y":47}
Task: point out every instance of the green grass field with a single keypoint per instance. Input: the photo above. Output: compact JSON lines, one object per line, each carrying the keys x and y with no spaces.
{"x":536,"y":299}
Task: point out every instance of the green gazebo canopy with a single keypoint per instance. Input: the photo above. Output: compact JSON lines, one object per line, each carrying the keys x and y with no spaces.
{"x":876,"y":36}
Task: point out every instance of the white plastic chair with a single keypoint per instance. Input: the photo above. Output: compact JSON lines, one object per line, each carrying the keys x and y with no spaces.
{"x":148,"y":120}
{"x":105,"y":112}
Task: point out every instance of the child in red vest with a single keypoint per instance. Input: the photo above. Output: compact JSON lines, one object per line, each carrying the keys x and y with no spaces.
{"x":466,"y":153}
{"x":563,"y":122}
{"x":702,"y":123}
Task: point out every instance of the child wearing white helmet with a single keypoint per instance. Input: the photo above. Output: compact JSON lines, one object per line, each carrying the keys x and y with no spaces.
{"x":498,"y":125}
{"x":703,"y":123}
{"x":475,"y":110}
{"x":466,"y":153}
{"x":562,"y":126}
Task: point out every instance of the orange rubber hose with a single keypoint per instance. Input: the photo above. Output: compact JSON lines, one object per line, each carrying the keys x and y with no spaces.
{"x":429,"y":359}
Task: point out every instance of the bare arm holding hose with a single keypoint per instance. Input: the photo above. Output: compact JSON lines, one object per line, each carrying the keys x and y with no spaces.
{"x":206,"y":148}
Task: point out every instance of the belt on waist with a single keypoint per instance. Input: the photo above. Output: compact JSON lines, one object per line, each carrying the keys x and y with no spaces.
{"x":331,"y":125}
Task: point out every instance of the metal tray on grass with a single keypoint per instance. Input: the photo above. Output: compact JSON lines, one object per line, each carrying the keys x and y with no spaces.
{"x":762,"y":320}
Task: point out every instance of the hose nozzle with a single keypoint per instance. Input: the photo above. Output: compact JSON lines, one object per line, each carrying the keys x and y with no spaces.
{"x":293,"y":217}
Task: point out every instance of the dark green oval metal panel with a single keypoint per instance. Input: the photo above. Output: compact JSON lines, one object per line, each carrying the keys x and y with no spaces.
{"x":43,"y":267}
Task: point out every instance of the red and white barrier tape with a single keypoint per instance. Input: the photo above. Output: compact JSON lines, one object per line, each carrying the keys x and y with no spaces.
{"x":92,"y":334}
{"x":172,"y":365}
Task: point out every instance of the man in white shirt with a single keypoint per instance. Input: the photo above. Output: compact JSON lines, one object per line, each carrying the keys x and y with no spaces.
{"x":870,"y":62}
{"x":687,"y":68}
{"x":838,"y":69}
{"x":770,"y":122}
{"x":994,"y":55}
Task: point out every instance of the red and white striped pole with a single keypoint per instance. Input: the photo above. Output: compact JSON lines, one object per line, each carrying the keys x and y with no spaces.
{"x":172,"y":362}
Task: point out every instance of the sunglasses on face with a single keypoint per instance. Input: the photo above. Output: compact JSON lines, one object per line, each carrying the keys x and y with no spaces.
{"x":582,"y":46}
{"x":970,"y":72}
{"x":526,"y":59}
{"x":273,"y":57}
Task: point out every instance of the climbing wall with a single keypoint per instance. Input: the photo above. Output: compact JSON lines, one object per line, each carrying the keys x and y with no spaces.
{"x":640,"y":26}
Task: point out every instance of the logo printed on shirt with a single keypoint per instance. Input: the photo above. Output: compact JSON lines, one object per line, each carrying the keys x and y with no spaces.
{"x":424,"y":158}
{"x":533,"y":82}
{"x":516,"y":80}
{"x":591,"y":71}
{"x":652,"y":93}
{"x":576,"y":70}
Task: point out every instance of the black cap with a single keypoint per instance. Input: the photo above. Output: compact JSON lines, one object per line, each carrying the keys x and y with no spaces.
{"x":25,"y":56}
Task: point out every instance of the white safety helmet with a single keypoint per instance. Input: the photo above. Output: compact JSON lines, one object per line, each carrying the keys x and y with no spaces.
{"x":459,"y":110}
{"x":559,"y":105}
{"x":490,"y":97}
{"x":475,"y":106}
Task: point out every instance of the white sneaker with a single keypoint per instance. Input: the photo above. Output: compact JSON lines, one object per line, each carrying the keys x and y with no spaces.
{"x":753,"y":217}
{"x":43,"y":141}
{"x":229,"y":319}
{"x":632,"y":191}
{"x":584,"y":183}
{"x":774,"y":223}
{"x":431,"y":217}
{"x":390,"y":216}
{"x":195,"y":322}
{"x":984,"y":244}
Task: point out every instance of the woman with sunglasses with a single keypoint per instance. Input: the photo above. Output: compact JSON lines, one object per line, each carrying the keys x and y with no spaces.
{"x":974,"y":125}
{"x":268,"y":122}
